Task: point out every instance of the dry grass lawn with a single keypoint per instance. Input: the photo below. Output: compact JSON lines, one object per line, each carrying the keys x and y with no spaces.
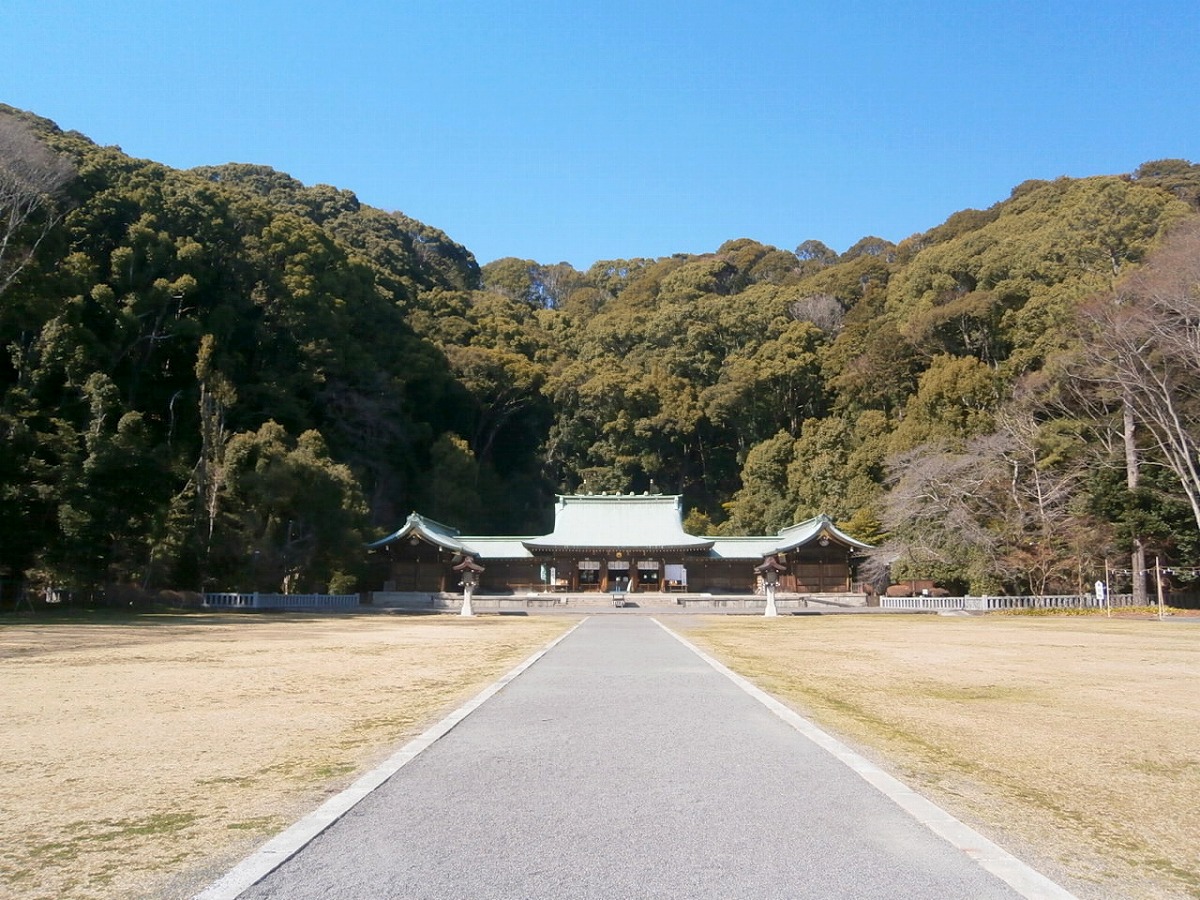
{"x":143,"y":756}
{"x":1073,"y":742}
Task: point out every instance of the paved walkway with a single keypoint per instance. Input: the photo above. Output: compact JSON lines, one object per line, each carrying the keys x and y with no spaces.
{"x":624,"y":764}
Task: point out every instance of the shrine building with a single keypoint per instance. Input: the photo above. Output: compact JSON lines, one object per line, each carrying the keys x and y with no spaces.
{"x":628,"y":543}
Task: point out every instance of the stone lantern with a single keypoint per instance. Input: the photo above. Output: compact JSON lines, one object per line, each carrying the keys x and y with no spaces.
{"x":769,"y":570}
{"x":468,"y":571}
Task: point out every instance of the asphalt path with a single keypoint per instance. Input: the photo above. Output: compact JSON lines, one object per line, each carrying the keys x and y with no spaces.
{"x":624,"y":764}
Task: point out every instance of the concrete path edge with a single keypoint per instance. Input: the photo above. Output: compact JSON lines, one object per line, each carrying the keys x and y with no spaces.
{"x":1022,"y":878}
{"x":292,"y":840}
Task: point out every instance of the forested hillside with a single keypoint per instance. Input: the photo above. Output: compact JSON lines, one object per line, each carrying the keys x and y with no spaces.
{"x":222,"y":378}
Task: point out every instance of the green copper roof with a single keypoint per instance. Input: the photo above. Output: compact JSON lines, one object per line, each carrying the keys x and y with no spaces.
{"x":634,"y":521}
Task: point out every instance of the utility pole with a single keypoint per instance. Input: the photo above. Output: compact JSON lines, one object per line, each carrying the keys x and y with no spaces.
{"x":1132,"y":473}
{"x":1158,"y":581}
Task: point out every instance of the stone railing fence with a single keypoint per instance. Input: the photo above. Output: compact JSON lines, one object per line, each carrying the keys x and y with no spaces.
{"x":280,"y":601}
{"x":987,"y":604}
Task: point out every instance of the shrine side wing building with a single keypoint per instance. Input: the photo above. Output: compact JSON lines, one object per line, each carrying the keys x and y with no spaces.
{"x":626,"y":542}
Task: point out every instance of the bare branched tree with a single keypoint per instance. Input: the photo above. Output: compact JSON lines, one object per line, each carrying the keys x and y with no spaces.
{"x":930,"y":522}
{"x":1004,"y":510}
{"x":1046,"y":538}
{"x":1146,"y":338}
{"x":31,"y":175}
{"x":823,"y":310}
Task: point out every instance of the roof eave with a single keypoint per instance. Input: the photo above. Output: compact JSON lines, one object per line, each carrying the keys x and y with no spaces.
{"x":534,"y":547}
{"x":418,"y":526}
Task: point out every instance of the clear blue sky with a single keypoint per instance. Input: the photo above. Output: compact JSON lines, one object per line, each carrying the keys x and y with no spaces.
{"x":593,"y":130}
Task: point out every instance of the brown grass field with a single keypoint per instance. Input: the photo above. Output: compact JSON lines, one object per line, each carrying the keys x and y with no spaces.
{"x":142,"y":756}
{"x":1073,"y":742}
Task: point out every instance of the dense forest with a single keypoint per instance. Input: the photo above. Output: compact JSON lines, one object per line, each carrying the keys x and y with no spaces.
{"x":221,"y":378}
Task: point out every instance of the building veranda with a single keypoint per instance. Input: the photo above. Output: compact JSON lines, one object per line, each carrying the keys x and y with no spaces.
{"x":623,"y":543}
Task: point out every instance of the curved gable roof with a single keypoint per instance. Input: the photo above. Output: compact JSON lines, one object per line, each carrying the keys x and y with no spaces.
{"x":814,"y":529}
{"x":433,"y":532}
{"x":791,"y":538}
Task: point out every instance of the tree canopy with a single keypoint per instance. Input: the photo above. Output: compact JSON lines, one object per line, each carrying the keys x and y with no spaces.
{"x":223,"y":377}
